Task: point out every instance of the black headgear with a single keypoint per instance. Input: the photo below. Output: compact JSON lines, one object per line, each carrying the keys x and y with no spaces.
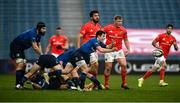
{"x":40,"y":25}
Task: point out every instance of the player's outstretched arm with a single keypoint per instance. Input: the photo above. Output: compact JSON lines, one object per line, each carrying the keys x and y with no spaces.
{"x":105,"y":50}
{"x":111,"y":45}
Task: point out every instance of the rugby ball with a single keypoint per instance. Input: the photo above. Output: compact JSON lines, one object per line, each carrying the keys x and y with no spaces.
{"x":157,"y":53}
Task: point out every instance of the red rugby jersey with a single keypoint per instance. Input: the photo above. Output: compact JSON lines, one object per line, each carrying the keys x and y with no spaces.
{"x":57,"y":40}
{"x":165,"y":42}
{"x":89,"y":30}
{"x":115,"y":34}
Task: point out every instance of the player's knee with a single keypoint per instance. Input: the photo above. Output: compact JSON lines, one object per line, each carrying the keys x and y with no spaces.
{"x":95,"y":64}
{"x":154,"y":68}
{"x":85,"y":71}
{"x":164,"y":65}
{"x":21,"y":63}
{"x":108,"y":66}
{"x":20,"y":60}
{"x":107,"y":70}
{"x":84,"y":67}
{"x":123,"y":65}
{"x":20,"y":66}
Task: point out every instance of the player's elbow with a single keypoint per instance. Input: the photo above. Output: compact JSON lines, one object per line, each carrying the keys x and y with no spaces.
{"x":153,"y":43}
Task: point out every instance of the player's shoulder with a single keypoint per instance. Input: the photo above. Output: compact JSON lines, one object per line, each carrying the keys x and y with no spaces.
{"x":173,"y":37}
{"x":91,"y":40}
{"x":53,"y":36}
{"x":109,"y":26}
{"x":63,"y":36}
{"x":123,"y":28}
{"x":29,"y":31}
{"x":88,"y":23}
{"x":94,"y":40}
{"x":98,"y":25}
{"x":161,"y":34}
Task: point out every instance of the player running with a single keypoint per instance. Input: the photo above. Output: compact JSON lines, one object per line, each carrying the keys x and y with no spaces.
{"x":116,"y":33}
{"x":163,"y":42}
{"x":27,"y":39}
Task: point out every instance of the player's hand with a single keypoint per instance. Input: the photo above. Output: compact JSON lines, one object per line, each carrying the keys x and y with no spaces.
{"x":126,"y":52}
{"x":114,"y":49}
{"x":113,"y":42}
{"x":59,"y":47}
{"x":176,"y":48}
{"x":41,"y":53}
{"x":159,"y":47}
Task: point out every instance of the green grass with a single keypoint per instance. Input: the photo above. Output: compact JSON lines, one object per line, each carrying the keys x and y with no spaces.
{"x":150,"y":92}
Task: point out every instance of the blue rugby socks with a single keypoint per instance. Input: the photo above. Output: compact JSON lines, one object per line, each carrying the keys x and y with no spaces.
{"x":19,"y":76}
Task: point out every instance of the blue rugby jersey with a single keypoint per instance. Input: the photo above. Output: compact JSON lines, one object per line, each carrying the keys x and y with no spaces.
{"x":25,"y":39}
{"x":90,"y":46}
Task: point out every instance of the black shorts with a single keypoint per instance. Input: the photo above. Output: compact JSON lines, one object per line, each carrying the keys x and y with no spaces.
{"x":47,"y":61}
{"x":15,"y":52}
{"x":78,"y":56}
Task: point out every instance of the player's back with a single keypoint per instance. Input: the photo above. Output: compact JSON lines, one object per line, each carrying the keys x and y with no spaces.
{"x":24,"y":40}
{"x":90,"y":46}
{"x":64,"y":57}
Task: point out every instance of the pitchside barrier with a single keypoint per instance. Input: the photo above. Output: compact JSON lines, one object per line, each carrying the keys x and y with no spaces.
{"x":136,"y":64}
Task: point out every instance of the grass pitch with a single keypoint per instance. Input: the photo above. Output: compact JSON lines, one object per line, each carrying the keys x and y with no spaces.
{"x":150,"y":92}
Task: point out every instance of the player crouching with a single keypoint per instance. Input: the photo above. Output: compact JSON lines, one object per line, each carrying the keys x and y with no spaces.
{"x":44,"y":61}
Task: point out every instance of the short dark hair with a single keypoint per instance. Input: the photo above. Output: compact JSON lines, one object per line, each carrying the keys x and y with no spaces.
{"x":93,"y":12}
{"x":117,"y":17}
{"x":169,"y":25}
{"x":40,"y":25}
{"x":58,"y":28}
{"x":99,"y":33}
